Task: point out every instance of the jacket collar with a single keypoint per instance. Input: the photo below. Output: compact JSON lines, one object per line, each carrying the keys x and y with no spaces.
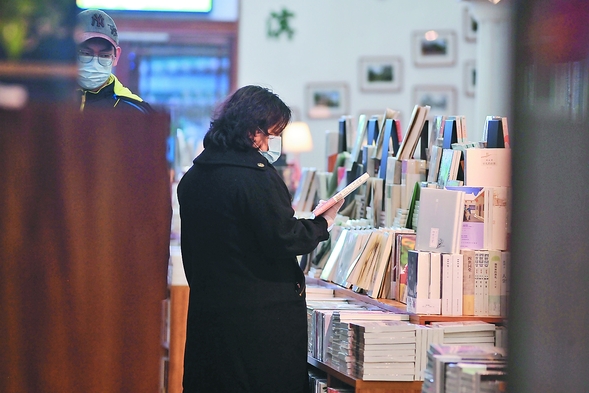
{"x":113,"y":85}
{"x":250,"y":159}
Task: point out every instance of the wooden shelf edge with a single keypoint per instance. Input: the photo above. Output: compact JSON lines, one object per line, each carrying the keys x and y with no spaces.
{"x":398,"y":307}
{"x":359,"y":383}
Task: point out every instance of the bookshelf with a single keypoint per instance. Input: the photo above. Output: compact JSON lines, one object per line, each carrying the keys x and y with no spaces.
{"x":336,"y":378}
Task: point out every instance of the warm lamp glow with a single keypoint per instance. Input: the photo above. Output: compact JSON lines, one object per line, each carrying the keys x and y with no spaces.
{"x":296,"y":138}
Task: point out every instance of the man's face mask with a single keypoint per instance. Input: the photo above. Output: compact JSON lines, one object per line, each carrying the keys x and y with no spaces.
{"x":93,"y":71}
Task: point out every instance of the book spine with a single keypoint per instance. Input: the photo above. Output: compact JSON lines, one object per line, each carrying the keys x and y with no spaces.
{"x":505,"y":256}
{"x":485,"y":278}
{"x":447,"y":284}
{"x":457,"y":271}
{"x":479,"y":260}
{"x":494,"y":282}
{"x":435,"y":285}
{"x":468,"y":282}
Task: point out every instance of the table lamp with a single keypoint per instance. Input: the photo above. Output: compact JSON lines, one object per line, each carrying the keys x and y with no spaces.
{"x":296,"y":139}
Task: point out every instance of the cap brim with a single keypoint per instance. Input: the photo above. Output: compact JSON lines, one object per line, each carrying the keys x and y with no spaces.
{"x":82,"y":37}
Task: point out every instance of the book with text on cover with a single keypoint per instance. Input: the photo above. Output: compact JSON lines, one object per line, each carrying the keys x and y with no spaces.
{"x":487,"y":167}
{"x":341,"y":195}
{"x":439,"y":224}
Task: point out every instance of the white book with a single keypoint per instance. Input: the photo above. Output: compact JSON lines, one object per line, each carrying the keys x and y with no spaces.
{"x":330,"y":268}
{"x":435,"y":280}
{"x":418,"y":352}
{"x":497,"y":226}
{"x":418,"y":272}
{"x":495,"y":274}
{"x":457,"y":271}
{"x":425,"y":341}
{"x":439,"y":225}
{"x":359,"y":140}
{"x":487,"y":167}
{"x":447,"y":277}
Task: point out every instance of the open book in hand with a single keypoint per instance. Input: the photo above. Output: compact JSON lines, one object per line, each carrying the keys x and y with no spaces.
{"x":340,"y":195}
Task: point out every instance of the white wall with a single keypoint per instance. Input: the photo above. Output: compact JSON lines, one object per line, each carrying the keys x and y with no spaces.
{"x":330,"y":37}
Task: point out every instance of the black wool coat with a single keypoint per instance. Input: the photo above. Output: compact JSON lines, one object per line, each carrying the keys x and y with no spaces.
{"x":247,"y":323}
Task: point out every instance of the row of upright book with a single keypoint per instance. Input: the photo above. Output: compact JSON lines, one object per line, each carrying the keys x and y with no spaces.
{"x":400,"y":231}
{"x":370,"y":344}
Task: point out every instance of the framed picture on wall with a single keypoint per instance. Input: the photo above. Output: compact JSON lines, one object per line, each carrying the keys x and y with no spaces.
{"x":380,"y":73}
{"x":326,"y":100}
{"x":470,"y":77}
{"x":441,"y":99}
{"x":469,"y":25}
{"x":434,"y":48}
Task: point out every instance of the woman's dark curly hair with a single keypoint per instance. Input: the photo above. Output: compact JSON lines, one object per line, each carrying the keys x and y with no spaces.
{"x":237,"y":119}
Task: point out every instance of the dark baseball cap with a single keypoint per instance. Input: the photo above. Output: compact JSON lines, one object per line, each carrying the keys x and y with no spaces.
{"x":96,"y":23}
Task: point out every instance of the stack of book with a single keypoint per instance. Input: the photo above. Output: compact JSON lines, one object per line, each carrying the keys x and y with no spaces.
{"x":341,"y":353}
{"x":441,"y":356}
{"x":383,"y":351}
{"x":467,"y":332}
{"x":319,"y":314}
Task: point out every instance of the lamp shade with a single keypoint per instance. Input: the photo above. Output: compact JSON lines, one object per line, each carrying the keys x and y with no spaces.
{"x":296,"y":138}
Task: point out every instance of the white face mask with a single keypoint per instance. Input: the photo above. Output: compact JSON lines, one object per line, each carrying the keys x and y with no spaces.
{"x":274,"y":149}
{"x":92,"y":75}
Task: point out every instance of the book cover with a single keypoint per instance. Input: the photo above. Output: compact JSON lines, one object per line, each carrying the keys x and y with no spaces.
{"x":434,"y":163}
{"x":418,"y":281}
{"x":439,"y":224}
{"x":497,"y":221}
{"x":468,"y":282}
{"x":383,"y":260}
{"x":487,"y":167}
{"x":404,"y":243}
{"x":409,"y":143}
{"x":341,"y":194}
{"x":449,"y":164}
{"x":473,"y":221}
{"x":450,"y":132}
{"x":384,"y":147}
{"x":360,"y":136}
{"x":418,"y":271}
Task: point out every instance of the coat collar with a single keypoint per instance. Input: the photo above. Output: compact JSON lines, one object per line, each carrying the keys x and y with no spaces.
{"x":250,"y":159}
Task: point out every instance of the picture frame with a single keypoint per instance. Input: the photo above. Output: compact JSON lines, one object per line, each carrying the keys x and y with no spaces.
{"x":434,"y":48}
{"x":380,"y":73}
{"x":326,"y":99}
{"x":470,"y":77}
{"x":469,"y":25}
{"x":440,"y":98}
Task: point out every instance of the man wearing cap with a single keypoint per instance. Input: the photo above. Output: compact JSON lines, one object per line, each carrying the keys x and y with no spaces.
{"x":98,"y":51}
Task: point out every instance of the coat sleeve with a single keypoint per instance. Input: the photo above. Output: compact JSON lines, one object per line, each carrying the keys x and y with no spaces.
{"x":268,"y":206}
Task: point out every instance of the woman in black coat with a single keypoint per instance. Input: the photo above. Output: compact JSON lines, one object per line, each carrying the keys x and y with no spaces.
{"x":247,"y":324}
